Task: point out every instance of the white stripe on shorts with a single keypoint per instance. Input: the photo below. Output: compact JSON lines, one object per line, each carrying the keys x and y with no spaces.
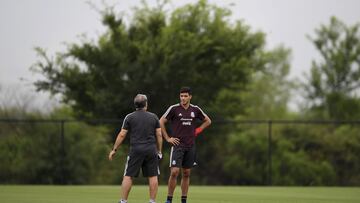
{"x":171,"y":154}
{"x":126,"y":165}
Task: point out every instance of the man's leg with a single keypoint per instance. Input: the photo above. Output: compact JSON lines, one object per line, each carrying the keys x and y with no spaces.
{"x":174,"y":173}
{"x":153,"y":187}
{"x":126,"y":187}
{"x":185,"y":182}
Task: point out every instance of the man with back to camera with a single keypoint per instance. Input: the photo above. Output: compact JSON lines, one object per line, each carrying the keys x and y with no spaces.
{"x":145,"y":147}
{"x":182,"y":117}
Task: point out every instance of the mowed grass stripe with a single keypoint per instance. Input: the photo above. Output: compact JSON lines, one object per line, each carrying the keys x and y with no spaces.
{"x":278,"y":194}
{"x":197,"y":194}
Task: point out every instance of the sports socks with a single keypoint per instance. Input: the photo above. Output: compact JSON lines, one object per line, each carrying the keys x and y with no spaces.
{"x":183,"y":199}
{"x":169,"y":199}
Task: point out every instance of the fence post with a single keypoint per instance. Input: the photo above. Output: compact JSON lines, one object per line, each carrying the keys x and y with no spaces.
{"x":269,"y":153}
{"x":62,"y":151}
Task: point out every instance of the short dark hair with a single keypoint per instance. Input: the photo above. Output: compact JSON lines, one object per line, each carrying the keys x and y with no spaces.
{"x":185,"y":90}
{"x":140,"y":101}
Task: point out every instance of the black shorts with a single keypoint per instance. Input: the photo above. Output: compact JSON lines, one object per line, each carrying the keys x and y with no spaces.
{"x":183,"y":157}
{"x":144,"y":157}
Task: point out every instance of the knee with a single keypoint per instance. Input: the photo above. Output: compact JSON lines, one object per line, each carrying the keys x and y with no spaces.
{"x":127,"y":178}
{"x":174,"y":173}
{"x":153,"y":180}
{"x":186,"y":174}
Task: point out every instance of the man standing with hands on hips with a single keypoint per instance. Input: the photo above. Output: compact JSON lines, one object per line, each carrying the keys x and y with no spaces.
{"x":145,"y":147}
{"x":183,"y":118}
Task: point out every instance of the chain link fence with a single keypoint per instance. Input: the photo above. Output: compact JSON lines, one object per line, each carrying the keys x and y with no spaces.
{"x":246,"y":152}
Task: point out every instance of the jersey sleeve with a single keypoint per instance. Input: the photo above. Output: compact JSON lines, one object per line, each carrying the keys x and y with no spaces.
{"x":126,"y":123}
{"x":200,"y":113}
{"x":157,"y":124}
{"x":169,"y":114}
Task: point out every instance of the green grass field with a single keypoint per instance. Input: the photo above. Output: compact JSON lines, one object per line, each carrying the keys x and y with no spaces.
{"x":198,"y":194}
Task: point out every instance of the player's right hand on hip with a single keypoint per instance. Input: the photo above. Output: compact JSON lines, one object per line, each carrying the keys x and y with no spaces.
{"x":173,"y":140}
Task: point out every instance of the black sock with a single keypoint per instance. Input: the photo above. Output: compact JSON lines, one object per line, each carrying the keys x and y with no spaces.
{"x":183,"y":199}
{"x":169,"y":198}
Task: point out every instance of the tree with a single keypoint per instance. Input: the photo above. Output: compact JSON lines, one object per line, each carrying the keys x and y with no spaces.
{"x":268,"y":93}
{"x":334,"y":80}
{"x":156,"y":54}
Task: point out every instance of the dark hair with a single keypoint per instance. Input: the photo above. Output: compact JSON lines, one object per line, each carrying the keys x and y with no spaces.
{"x":185,"y":90}
{"x":140,"y":101}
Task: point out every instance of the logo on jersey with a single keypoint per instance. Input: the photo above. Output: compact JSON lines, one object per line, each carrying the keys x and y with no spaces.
{"x":192,"y":114}
{"x":186,"y":121}
{"x":180,"y":114}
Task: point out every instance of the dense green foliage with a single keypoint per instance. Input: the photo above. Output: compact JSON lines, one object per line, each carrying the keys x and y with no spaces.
{"x":32,"y":152}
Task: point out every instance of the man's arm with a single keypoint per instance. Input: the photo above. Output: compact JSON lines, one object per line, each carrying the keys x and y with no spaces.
{"x":119,"y":139}
{"x":159,"y":140}
{"x":205,"y":124}
{"x":172,"y":140}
